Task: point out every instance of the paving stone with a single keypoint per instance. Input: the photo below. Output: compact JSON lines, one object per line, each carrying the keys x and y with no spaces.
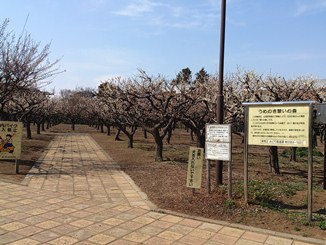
{"x":9,"y":237}
{"x":171,"y":219}
{"x":136,"y":237}
{"x":242,"y":241}
{"x":72,"y":202}
{"x":150,"y":230}
{"x":45,"y":236}
{"x":81,"y":223}
{"x":192,"y":240}
{"x":253,"y":236}
{"x":273,"y":240}
{"x":48,"y":224}
{"x":170,"y":235}
{"x":229,"y":231}
{"x":224,"y":239}
{"x":29,"y":231}
{"x":25,"y":241}
{"x":159,"y":240}
{"x":116,"y":232}
{"x":210,"y":227}
{"x":202,"y":233}
{"x":190,"y":223}
{"x":64,"y":240}
{"x":13,"y":226}
{"x":101,"y":239}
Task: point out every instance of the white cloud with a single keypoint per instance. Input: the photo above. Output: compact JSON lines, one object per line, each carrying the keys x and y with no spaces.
{"x":172,"y":15}
{"x":137,"y":8}
{"x":309,"y":6}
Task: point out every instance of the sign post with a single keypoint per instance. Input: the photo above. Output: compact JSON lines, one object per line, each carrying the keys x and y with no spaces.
{"x":279,"y":124}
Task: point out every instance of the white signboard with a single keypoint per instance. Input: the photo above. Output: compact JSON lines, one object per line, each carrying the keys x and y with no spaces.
{"x":218,"y":133}
{"x":218,"y":142}
{"x":218,"y":151}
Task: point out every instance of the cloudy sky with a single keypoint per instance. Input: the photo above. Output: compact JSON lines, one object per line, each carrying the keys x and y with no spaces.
{"x":99,"y":39}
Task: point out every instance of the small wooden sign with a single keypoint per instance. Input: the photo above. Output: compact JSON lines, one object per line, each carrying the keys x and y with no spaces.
{"x":195,"y":167}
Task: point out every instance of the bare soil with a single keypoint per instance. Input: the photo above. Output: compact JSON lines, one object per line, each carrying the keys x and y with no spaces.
{"x":165,"y":182}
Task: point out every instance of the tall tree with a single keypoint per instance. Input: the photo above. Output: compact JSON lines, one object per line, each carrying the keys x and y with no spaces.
{"x":23,"y":64}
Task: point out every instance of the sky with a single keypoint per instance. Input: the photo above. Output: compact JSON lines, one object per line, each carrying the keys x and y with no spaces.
{"x":96,"y":40}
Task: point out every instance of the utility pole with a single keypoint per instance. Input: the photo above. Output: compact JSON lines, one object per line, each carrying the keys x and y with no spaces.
{"x":220,"y":96}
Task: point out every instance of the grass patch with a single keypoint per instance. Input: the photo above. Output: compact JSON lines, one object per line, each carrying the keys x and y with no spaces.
{"x":301,"y":218}
{"x":301,"y":152}
{"x":264,"y":191}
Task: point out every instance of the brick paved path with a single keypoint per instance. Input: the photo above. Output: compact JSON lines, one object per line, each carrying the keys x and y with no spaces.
{"x":78,"y":195}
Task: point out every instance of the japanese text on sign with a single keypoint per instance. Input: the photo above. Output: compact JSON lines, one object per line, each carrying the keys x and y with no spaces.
{"x":195,"y":166}
{"x":218,"y":151}
{"x":218,"y":133}
{"x":279,"y":125}
{"x":10,"y":139}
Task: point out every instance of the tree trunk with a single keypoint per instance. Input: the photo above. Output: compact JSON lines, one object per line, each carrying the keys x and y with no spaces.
{"x":108,"y":130}
{"x":130,"y":141}
{"x":117,"y":135}
{"x":273,"y":160}
{"x":169,"y":136}
{"x":43,"y":126}
{"x":314,"y":139}
{"x":201,"y":141}
{"x":192,"y":135}
{"x":73,"y":125}
{"x":28,"y":130}
{"x":159,"y":145}
{"x":38,"y":126}
{"x":102,"y":129}
{"x":293,"y":156}
{"x":145,"y":133}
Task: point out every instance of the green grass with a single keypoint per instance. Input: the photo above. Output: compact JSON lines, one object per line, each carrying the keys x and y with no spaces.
{"x":264,"y":191}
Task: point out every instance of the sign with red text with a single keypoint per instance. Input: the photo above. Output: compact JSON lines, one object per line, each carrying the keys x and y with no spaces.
{"x":10,"y":139}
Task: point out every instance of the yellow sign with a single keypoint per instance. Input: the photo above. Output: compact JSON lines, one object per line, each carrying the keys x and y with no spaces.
{"x":278,"y":125}
{"x":195,"y":167}
{"x":10,"y":139}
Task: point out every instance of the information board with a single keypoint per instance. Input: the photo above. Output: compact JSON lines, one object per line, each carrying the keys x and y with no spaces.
{"x":218,"y":133}
{"x":218,"y":142}
{"x":10,"y":139}
{"x":195,"y":167}
{"x":278,"y":125}
{"x":218,"y":151}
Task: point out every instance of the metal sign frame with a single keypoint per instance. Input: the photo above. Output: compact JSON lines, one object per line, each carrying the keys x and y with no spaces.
{"x":309,"y":105}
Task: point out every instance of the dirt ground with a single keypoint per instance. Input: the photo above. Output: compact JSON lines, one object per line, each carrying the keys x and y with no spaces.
{"x":278,"y":202}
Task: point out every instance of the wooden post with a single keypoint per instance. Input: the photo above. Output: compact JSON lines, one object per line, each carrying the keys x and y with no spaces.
{"x":16,"y":166}
{"x":208,"y":168}
{"x":230,"y":179}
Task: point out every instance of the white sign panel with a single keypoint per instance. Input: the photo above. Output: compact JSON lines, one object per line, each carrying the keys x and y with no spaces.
{"x":218,"y":151}
{"x":218,"y":133}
